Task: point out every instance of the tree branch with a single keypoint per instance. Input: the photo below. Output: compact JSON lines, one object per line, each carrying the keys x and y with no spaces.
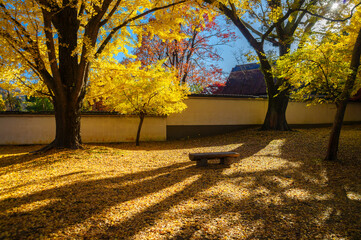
{"x":331,"y":19}
{"x":102,"y":23}
{"x":116,"y":29}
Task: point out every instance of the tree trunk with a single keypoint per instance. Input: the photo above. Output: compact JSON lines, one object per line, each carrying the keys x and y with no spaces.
{"x":277,"y":101}
{"x":67,"y":118}
{"x":333,"y":142}
{"x":276,"y":114}
{"x":141,"y":117}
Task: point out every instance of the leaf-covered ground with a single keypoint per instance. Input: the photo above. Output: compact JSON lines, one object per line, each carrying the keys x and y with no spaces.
{"x":279,"y":189}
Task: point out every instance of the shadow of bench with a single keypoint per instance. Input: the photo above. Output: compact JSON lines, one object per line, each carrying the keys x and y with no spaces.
{"x":226,"y":158}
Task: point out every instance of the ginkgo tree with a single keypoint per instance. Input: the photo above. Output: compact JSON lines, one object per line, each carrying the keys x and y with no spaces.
{"x":144,"y":91}
{"x":280,"y":23}
{"x":317,"y":71}
{"x":9,"y":92}
{"x":327,"y":71}
{"x":57,"y":40}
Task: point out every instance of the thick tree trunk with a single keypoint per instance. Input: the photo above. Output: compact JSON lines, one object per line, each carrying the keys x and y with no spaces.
{"x":141,"y":117}
{"x":67,"y":118}
{"x":277,"y":101}
{"x":276,"y":114}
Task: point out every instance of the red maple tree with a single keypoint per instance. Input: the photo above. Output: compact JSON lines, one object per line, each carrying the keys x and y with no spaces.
{"x":213,"y":89}
{"x":189,"y":56}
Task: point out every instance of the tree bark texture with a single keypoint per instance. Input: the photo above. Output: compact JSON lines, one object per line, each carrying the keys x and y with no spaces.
{"x":333,"y":144}
{"x":67,"y":98}
{"x":69,"y":70}
{"x":141,"y":119}
{"x":67,"y":118}
{"x":276,"y":114}
{"x":277,"y":100}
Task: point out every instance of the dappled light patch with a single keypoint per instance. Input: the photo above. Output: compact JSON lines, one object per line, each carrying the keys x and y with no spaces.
{"x":356,"y":196}
{"x":258,"y":163}
{"x":321,"y":178}
{"x":274,"y":148}
{"x":276,"y":190}
{"x":298,"y":194}
{"x":281,"y":182}
{"x":325,"y":214}
{"x":228,"y":191}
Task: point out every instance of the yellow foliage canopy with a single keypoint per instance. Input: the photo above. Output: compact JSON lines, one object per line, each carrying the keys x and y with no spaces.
{"x":57,"y":41}
{"x":30,"y":42}
{"x":130,"y":89}
{"x":318,"y":71}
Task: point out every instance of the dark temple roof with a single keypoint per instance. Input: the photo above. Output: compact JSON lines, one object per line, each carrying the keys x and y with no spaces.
{"x":246,"y":79}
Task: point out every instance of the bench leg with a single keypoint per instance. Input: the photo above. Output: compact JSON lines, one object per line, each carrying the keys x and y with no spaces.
{"x":202,"y":163}
{"x":228,"y":160}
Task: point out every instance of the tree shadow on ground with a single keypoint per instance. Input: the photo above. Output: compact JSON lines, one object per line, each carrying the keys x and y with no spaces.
{"x":298,"y":199}
{"x":18,"y":155}
{"x":76,"y":203}
{"x":279,"y":189}
{"x":80,"y":201}
{"x":16,"y":149}
{"x":301,"y":198}
{"x":306,"y":197}
{"x":23,"y":158}
{"x":14,"y":160}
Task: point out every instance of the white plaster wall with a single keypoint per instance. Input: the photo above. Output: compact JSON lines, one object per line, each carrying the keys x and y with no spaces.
{"x":220,"y":111}
{"x":97,"y":129}
{"x":26,"y":129}
{"x":353,"y":112}
{"x":243,"y":111}
{"x":40,"y":129}
{"x":300,"y":113}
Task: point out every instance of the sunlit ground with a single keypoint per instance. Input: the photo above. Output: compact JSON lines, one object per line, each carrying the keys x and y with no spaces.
{"x":279,"y":189}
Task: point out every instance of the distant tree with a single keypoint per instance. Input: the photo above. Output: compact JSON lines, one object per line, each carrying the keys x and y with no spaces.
{"x":215,"y":88}
{"x":189,"y":56}
{"x":38,"y":104}
{"x":8,"y":87}
{"x":151,"y":90}
{"x":2,"y":104}
{"x":12,"y":101}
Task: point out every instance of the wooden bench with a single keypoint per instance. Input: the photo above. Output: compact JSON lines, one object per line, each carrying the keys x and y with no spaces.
{"x":226,"y":158}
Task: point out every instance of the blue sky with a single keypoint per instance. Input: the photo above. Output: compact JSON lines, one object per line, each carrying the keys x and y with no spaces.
{"x":228,"y":53}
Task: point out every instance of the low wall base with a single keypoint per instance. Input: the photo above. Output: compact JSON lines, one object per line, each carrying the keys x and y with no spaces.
{"x":192,"y":131}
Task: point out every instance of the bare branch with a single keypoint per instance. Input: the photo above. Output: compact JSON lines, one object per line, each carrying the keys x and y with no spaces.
{"x":331,"y":19}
